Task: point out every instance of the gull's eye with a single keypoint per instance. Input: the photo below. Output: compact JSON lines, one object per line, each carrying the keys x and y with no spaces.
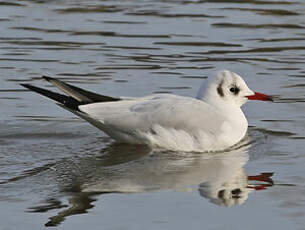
{"x":234,"y":90}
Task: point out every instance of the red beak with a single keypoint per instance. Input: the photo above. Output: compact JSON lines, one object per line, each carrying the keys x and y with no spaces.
{"x":260,"y":97}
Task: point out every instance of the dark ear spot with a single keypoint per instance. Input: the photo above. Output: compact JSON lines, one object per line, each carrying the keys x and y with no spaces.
{"x":220,"y":90}
{"x":221,"y":194}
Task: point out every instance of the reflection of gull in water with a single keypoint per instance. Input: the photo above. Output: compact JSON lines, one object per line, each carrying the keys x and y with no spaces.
{"x":221,"y":177}
{"x":168,"y":170}
{"x":234,"y":188}
{"x":227,"y":182}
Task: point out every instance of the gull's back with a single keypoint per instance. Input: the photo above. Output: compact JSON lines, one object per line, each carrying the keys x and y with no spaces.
{"x":162,"y":120}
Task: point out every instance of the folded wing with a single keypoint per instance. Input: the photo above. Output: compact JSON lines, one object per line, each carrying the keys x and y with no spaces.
{"x":168,"y":111}
{"x":76,"y":96}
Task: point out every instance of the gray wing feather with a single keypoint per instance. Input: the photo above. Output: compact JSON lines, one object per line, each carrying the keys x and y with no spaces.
{"x":79,"y":94}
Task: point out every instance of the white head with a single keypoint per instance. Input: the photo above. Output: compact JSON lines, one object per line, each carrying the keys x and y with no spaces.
{"x":230,"y":89}
{"x":233,"y":191}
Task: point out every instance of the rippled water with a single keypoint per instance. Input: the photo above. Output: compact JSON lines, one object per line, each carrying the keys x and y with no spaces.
{"x":55,"y":167}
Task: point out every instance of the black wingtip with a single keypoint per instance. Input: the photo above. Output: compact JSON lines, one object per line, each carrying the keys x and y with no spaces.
{"x":47,"y":78}
{"x":67,"y":101}
{"x":28,"y":86}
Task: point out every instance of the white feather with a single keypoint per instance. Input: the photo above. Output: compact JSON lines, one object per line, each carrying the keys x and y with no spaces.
{"x":209,"y":123}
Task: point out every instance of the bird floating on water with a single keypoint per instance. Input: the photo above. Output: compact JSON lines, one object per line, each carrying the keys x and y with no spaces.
{"x":213,"y":121}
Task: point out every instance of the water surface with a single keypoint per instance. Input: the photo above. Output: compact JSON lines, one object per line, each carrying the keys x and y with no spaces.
{"x":57,"y":170}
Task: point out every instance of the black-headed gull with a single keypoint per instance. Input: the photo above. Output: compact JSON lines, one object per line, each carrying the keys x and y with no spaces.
{"x":213,"y":121}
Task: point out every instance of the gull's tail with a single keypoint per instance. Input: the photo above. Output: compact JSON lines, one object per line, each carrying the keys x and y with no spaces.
{"x":76,"y":96}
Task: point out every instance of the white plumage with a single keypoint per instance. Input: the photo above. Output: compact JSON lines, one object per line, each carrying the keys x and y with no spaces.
{"x":211,"y":122}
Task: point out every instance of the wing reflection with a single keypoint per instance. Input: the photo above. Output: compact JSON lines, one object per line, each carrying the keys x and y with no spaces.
{"x":132,"y":169}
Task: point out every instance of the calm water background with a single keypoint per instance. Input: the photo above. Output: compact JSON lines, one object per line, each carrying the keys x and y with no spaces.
{"x":57,"y":170}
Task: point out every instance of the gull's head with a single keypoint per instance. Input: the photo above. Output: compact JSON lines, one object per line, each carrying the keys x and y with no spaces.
{"x":229,"y":88}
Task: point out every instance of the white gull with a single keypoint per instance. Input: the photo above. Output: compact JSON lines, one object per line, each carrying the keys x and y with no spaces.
{"x":213,"y":121}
